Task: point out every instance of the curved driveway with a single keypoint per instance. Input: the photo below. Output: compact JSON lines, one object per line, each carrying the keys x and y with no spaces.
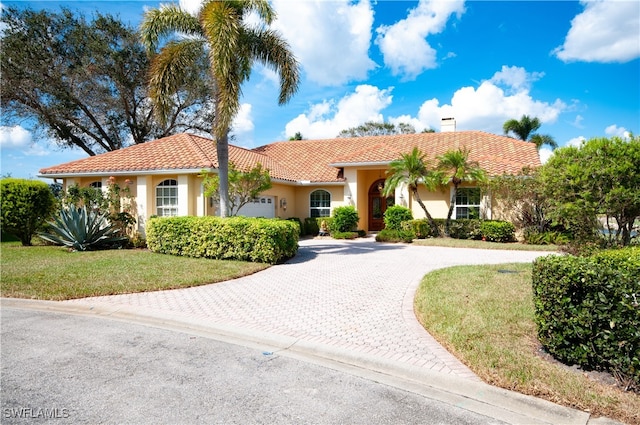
{"x":351,"y":300}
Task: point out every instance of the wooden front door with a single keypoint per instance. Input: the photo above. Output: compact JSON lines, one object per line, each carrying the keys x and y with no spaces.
{"x":378,"y":204}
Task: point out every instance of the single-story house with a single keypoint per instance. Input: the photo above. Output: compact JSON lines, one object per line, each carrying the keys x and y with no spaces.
{"x":310,"y":177}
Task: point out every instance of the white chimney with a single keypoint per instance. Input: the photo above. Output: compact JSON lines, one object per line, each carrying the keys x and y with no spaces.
{"x":447,"y":124}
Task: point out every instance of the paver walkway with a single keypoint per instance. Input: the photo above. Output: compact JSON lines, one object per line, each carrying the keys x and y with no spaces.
{"x":350,"y":295}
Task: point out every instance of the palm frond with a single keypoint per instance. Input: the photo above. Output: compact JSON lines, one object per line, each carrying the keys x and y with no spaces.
{"x":169,"y":70}
{"x":165,"y":22}
{"x":270,"y":49}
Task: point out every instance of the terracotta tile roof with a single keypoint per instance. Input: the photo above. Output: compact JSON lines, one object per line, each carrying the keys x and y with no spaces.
{"x":302,"y":160}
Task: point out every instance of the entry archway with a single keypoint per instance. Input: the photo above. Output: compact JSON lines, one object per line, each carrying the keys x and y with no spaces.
{"x":378,"y":204}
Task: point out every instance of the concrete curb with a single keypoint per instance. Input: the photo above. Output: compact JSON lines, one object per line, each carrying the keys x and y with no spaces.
{"x":478,"y":397}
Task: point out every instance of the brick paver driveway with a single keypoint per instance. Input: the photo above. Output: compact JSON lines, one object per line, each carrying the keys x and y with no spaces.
{"x":347,"y":295}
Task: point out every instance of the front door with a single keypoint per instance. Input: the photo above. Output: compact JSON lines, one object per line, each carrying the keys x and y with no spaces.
{"x":378,"y":204}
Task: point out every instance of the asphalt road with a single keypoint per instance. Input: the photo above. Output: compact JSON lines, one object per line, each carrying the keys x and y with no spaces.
{"x":62,"y":368}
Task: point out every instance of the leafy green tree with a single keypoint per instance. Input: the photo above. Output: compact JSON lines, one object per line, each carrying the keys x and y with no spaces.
{"x":83,"y":84}
{"x":372,"y":128}
{"x":25,"y":205}
{"x":231,"y":43}
{"x":243,"y":187}
{"x":412,"y":169}
{"x":599,"y":179}
{"x":297,"y":136}
{"x":525,"y":130}
{"x":455,"y":168}
{"x":521,"y":195}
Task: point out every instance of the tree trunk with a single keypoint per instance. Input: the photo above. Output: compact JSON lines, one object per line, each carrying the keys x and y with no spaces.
{"x":222,"y":149}
{"x":434,"y":227}
{"x":447,"y":225}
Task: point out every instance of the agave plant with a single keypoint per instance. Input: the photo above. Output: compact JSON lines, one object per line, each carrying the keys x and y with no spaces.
{"x":83,"y":230}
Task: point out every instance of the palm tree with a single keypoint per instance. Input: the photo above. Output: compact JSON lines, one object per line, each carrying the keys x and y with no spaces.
{"x":455,"y":168}
{"x":525,"y":130}
{"x":412,"y":169}
{"x":220,"y":33}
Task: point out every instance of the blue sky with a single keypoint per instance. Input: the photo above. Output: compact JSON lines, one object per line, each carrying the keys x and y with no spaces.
{"x":574,"y":65}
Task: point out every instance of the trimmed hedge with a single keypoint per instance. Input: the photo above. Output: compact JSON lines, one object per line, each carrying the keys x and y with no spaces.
{"x":498,"y":231}
{"x":491,"y":230}
{"x":257,"y":240}
{"x":587,"y":310}
{"x":390,"y":235}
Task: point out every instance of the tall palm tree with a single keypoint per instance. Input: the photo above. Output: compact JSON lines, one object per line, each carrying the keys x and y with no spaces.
{"x":525,"y":130}
{"x":455,"y":169}
{"x":221,"y":33}
{"x":412,"y":169}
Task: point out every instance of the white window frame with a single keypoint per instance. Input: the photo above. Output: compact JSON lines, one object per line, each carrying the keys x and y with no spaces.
{"x":462,"y":204}
{"x":166,"y":202}
{"x":321,"y":207}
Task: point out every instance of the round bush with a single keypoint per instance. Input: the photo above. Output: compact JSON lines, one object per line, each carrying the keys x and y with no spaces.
{"x":395,"y":215}
{"x":345,"y":219}
{"x":26,"y":205}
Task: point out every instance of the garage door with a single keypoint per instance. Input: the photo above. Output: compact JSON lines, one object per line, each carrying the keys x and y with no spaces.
{"x":262,"y":206}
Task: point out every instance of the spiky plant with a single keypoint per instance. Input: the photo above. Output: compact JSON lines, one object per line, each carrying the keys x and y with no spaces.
{"x":83,"y":230}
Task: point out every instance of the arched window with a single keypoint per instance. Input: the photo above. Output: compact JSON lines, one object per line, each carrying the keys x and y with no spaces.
{"x":96,"y":185}
{"x":167,"y":198}
{"x":320,"y":202}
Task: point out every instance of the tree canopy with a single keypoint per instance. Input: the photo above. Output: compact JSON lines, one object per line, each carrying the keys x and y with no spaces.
{"x":598,"y":180}
{"x":413,"y":169}
{"x":525,"y":129}
{"x":243,"y":186}
{"x":83,"y":83}
{"x":455,"y":167}
{"x":225,"y":35}
{"x":372,"y":128}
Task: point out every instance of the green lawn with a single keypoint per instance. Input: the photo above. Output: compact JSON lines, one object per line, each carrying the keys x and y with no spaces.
{"x":468,"y":243}
{"x":484,"y":316}
{"x":54,"y":273}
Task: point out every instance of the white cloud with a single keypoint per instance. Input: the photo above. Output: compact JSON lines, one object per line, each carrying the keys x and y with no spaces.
{"x":330,"y":39}
{"x":578,"y":121}
{"x":607,"y":31}
{"x":243,"y":121}
{"x":191,"y":6}
{"x":614,"y":130}
{"x":545,"y":154}
{"x":576,"y":141}
{"x":14,"y":137}
{"x":504,"y":96}
{"x":404,"y":45}
{"x":328,"y":118}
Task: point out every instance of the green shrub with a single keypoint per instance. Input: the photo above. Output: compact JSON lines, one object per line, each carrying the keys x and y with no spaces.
{"x":258,"y":240}
{"x":25,"y":206}
{"x":465,"y":228}
{"x":84,"y":230}
{"x":498,"y":231}
{"x":534,"y":237}
{"x":312,"y":224}
{"x":344,"y":235}
{"x":388,"y":235}
{"x":587,"y":310}
{"x":300,"y":226}
{"x":395,"y":215}
{"x":345,"y":219}
{"x":422,"y":229}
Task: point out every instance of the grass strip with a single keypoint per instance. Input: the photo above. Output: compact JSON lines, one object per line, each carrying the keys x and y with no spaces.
{"x":484,"y":316}
{"x":470,"y":243}
{"x":54,"y":273}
